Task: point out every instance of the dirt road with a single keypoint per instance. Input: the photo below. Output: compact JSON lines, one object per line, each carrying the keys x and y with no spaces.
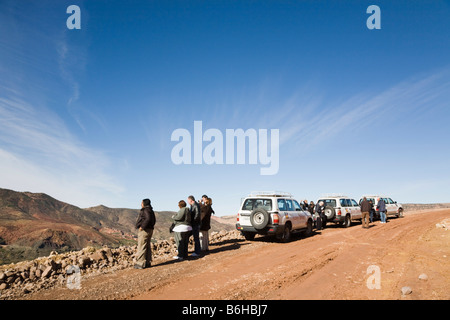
{"x":332,"y":264}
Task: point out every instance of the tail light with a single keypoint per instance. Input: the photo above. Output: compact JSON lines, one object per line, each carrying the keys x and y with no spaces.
{"x":339,"y":212}
{"x":237,"y":218}
{"x":275,"y":218}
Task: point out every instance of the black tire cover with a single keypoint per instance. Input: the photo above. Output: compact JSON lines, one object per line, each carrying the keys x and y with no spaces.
{"x":259,"y":218}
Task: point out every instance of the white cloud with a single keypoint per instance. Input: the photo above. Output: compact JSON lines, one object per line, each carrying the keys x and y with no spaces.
{"x":38,"y":153}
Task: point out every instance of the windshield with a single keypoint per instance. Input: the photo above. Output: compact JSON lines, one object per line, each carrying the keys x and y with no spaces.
{"x":329,"y":202}
{"x":251,"y":204}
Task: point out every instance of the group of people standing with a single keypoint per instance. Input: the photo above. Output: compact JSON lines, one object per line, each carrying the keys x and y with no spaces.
{"x":368,"y":211}
{"x":316,"y":211}
{"x":193,"y":221}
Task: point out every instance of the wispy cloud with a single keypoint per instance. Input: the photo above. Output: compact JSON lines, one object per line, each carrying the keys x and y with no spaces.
{"x":38,"y":150}
{"x":38,"y":153}
{"x":306,"y":120}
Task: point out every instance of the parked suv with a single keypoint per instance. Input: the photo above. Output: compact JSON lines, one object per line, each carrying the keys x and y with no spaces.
{"x":341,"y":209}
{"x":393,"y":208}
{"x":272,"y":213}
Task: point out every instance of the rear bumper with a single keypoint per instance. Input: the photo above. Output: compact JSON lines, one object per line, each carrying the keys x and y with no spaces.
{"x":270,"y":229}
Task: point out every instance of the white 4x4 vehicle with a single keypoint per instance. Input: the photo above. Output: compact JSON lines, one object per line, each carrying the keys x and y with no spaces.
{"x":340,"y":209}
{"x":392,"y":207}
{"x":272,"y":213}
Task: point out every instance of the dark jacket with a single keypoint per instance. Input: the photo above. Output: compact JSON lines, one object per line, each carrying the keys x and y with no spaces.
{"x":195,"y":214}
{"x":319,"y":209}
{"x":365,"y":206}
{"x":311,"y":209}
{"x":146,"y":218}
{"x":381,"y":205}
{"x":182,"y":217}
{"x":206,"y":211}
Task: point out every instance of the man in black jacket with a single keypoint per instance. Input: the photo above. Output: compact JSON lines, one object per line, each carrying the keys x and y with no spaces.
{"x":195,"y":222}
{"x":365,"y":212}
{"x":145,"y":223}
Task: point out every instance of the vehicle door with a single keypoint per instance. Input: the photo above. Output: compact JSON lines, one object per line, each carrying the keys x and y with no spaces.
{"x":282,"y":209}
{"x":294,"y":217}
{"x":302,"y":214}
{"x":388,"y":206}
{"x":392,"y":206}
{"x":356,"y":210}
{"x":344,"y":207}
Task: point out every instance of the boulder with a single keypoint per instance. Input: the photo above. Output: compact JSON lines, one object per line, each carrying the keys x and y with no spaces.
{"x":423,"y":276}
{"x":406,"y":291}
{"x":47,"y":272}
{"x":84,"y":261}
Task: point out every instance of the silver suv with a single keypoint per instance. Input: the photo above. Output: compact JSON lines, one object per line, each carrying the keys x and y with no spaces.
{"x":272,"y":213}
{"x":341,"y":209}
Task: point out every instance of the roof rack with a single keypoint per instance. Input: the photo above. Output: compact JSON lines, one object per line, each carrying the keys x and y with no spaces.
{"x":333,"y":195}
{"x":270,"y":194}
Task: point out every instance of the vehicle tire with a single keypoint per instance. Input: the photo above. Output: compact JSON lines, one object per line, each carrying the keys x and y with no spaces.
{"x":400,"y":213}
{"x":329,"y":212}
{"x":347,"y":221}
{"x":249,"y":235}
{"x":259,"y":218}
{"x":286,"y":235}
{"x":309,"y":228}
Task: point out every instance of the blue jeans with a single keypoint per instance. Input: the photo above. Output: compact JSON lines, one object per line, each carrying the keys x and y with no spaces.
{"x":383,"y":216}
{"x":196,"y":234}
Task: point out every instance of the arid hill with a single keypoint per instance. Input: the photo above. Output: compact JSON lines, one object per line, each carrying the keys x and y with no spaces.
{"x":34,"y":224}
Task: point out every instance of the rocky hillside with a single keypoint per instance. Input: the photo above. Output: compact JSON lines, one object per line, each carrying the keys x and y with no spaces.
{"x":34,"y":224}
{"x":20,"y":279}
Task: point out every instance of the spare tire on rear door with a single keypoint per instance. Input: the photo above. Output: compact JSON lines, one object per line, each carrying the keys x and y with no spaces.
{"x":329,"y":212}
{"x":259,"y":218}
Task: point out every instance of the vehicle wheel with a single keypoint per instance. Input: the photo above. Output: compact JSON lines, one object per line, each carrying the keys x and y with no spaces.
{"x":309,"y":228}
{"x":400,"y":213}
{"x":286,"y":235}
{"x":249,"y":236}
{"x":347,"y":221}
{"x":259,"y":218}
{"x":329,"y":212}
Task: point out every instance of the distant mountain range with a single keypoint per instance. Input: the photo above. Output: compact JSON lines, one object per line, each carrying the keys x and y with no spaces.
{"x":34,"y":224}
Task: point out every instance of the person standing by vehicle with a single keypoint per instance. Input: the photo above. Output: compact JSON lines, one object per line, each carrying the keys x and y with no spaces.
{"x":206,"y":211}
{"x":182,"y":227}
{"x":305,"y":206}
{"x":381,"y":206}
{"x":319,"y":214}
{"x":195,"y":223}
{"x":311,"y":211}
{"x":145,"y":224}
{"x":365,"y":210}
{"x":372,"y":210}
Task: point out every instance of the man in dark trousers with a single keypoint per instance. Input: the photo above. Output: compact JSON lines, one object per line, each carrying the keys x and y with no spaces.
{"x":365,"y":211}
{"x":195,"y":222}
{"x":319,"y":215}
{"x":145,"y":224}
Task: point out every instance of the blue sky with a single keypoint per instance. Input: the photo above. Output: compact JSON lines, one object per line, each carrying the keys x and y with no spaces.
{"x":87,"y":115}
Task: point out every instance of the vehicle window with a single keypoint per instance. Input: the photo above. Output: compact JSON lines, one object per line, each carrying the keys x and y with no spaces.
{"x":328,"y":202}
{"x":390,"y":200}
{"x":290,"y":205}
{"x":251,"y":204}
{"x":296,"y":205}
{"x":354,"y":203}
{"x":343,"y":203}
{"x":282,"y":205}
{"x":385,"y":200}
